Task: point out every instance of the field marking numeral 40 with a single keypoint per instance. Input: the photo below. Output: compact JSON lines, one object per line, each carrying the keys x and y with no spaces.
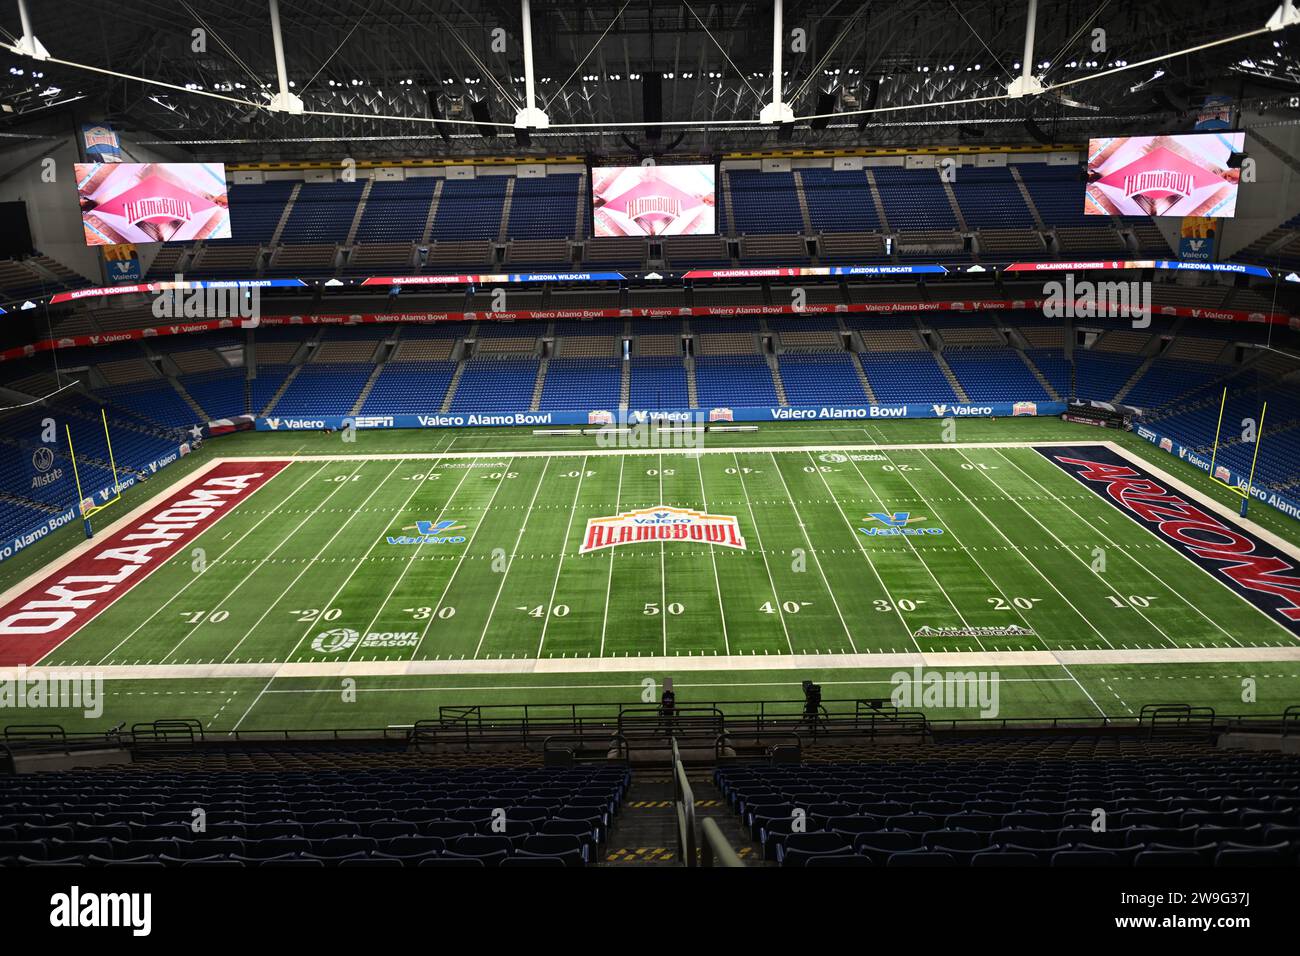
{"x":559,"y":610}
{"x":1023,"y":603}
{"x":198,"y":617}
{"x":1135,"y":600}
{"x":790,"y":607}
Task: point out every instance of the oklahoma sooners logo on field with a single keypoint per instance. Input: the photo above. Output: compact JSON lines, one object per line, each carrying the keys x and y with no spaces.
{"x":662,"y":523}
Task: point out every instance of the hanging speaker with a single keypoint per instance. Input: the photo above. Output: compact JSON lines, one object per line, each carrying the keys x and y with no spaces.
{"x":435,"y":113}
{"x":652,"y":103}
{"x":1037,"y":132}
{"x":870,"y":93}
{"x":483,"y":115}
{"x":825,"y":106}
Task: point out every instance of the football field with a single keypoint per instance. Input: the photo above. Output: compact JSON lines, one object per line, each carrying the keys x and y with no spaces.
{"x":539,"y":573}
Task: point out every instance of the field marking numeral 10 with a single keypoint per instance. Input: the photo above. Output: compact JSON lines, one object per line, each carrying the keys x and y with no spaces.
{"x":426,"y":612}
{"x":198,"y":617}
{"x":577,"y":474}
{"x":1135,"y":600}
{"x":310,"y":614}
{"x":904,"y":605}
{"x":1023,"y":603}
{"x":790,"y":607}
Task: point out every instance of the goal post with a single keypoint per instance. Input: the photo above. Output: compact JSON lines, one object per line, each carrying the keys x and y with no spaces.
{"x":1243,"y":492}
{"x":86,"y":505}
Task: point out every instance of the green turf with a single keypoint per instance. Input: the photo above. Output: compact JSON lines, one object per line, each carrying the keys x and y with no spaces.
{"x":1022,"y":546}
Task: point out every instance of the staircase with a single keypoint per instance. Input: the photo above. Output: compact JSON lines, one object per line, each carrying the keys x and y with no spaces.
{"x":361,"y":208}
{"x":726,"y":192}
{"x":189,"y":399}
{"x":540,"y":384}
{"x":365,"y":389}
{"x":625,"y":386}
{"x":775,"y":368}
{"x":284,"y":216}
{"x":451,"y":386}
{"x":952,"y":201}
{"x":862,"y":379}
{"x":578,"y":230}
{"x":644,"y":832}
{"x":952,"y":379}
{"x":803,"y":204}
{"x":279,"y":392}
{"x":1133,"y":380}
{"x":504,"y":229}
{"x":690,"y":382}
{"x":1042,"y":379}
{"x":877,"y":201}
{"x":433,"y":212}
{"x":1029,"y":200}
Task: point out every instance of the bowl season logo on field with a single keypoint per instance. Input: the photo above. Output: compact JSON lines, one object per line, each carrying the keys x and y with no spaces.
{"x":339,"y":639}
{"x":430,"y":532}
{"x":896,"y":524}
{"x":662,"y":523}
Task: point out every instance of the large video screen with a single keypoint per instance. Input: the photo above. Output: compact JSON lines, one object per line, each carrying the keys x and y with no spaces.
{"x":653,"y":201}
{"x":1184,"y":175}
{"x":152,"y":202}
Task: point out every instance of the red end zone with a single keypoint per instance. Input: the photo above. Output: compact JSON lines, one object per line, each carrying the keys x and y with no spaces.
{"x":44,"y":616}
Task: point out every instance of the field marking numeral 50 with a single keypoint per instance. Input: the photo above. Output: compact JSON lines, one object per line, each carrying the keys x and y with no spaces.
{"x":1023,"y":603}
{"x":652,"y":608}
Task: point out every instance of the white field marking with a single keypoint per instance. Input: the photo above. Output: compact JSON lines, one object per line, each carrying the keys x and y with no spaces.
{"x":415,"y":549}
{"x":637,"y":665}
{"x":261,"y":563}
{"x":915,"y":550}
{"x":564,"y":546}
{"x":510,"y":563}
{"x":1074,"y":554}
{"x":125,"y":521}
{"x":857,"y":540}
{"x":1124,"y":551}
{"x":167,"y":603}
{"x":992,"y":524}
{"x":461,"y":560}
{"x":663,"y":572}
{"x":776,"y":598}
{"x":609,"y":580}
{"x":297,"y":577}
{"x":1233,"y":518}
{"x":813,"y":551}
{"x":713,"y":557}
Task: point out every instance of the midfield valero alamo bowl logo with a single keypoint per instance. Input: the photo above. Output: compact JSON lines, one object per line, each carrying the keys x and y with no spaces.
{"x":662,"y":523}
{"x":896,"y":524}
{"x":430,"y":532}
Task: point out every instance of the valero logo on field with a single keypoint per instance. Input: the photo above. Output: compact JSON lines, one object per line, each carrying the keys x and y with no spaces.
{"x":430,"y":532}
{"x":662,"y":523}
{"x":896,"y":524}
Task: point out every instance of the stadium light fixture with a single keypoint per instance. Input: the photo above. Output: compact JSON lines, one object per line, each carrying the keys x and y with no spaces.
{"x":1284,"y":16}
{"x":531,"y":116}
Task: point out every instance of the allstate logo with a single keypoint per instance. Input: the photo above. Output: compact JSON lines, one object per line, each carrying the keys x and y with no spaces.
{"x":43,"y":459}
{"x":334,"y":640}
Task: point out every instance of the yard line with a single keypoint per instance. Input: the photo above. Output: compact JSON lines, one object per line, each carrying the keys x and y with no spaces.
{"x":1071,"y":551}
{"x":339,"y":486}
{"x":414,"y":550}
{"x":461,"y":561}
{"x":713,"y":556}
{"x":196,"y":577}
{"x":776,"y":599}
{"x":799,"y":520}
{"x":306,"y":567}
{"x":663,"y":574}
{"x":609,"y":580}
{"x":910,"y":543}
{"x":865,"y":553}
{"x":327,"y":604}
{"x":992,"y":524}
{"x":511,"y":562}
{"x":1149,"y":572}
{"x":564,"y":545}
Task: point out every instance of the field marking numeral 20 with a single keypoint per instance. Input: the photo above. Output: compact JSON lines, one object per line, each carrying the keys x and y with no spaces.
{"x":1134,"y":600}
{"x":1023,"y":603}
{"x":307,"y":615}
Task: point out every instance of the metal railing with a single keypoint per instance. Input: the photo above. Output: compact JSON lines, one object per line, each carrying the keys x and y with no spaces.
{"x":714,"y":846}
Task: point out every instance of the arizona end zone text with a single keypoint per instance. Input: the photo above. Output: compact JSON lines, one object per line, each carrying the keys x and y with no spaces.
{"x":39,"y":619}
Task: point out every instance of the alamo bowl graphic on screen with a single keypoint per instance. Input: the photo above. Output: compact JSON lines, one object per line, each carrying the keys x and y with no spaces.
{"x":152,"y":202}
{"x":652,"y":201}
{"x":1184,"y":175}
